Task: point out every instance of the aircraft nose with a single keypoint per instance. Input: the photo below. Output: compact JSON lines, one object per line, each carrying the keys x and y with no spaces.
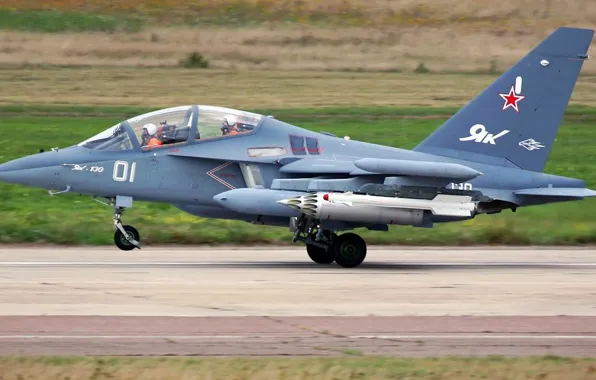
{"x":30,"y":162}
{"x":22,"y":171}
{"x":5,"y":167}
{"x":42,"y":169}
{"x":18,"y":164}
{"x":9,"y":173}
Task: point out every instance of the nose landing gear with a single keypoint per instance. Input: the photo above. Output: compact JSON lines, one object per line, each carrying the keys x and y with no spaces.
{"x":126,"y":237}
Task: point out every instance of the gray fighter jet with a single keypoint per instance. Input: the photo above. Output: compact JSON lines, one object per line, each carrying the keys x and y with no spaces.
{"x":223,"y":163}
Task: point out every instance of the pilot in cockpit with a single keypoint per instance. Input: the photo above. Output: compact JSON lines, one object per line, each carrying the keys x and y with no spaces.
{"x":229,"y":125}
{"x":150,"y":139}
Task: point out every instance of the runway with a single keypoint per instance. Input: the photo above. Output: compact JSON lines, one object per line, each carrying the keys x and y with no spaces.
{"x":274,"y":301}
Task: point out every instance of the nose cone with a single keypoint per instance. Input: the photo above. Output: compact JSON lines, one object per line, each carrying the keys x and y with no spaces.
{"x":9,"y":173}
{"x":29,"y":162}
{"x":46,"y":170}
{"x":28,"y":171}
{"x":9,"y":166}
{"x":8,"y":170}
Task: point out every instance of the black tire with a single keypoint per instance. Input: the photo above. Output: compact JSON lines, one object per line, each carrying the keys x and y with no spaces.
{"x":349,"y":250}
{"x":122,"y":242}
{"x":320,"y":255}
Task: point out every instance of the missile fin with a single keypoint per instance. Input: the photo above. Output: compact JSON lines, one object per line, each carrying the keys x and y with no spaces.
{"x":448,"y":198}
{"x":446,"y":211}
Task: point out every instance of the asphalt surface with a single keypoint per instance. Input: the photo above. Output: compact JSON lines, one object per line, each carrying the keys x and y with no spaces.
{"x":273,"y":301}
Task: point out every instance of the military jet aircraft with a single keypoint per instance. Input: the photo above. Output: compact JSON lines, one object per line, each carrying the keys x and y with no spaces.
{"x":223,"y":163}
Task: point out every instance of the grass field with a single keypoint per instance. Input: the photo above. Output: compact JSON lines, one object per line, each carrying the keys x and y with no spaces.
{"x":271,"y":89}
{"x":379,"y":35}
{"x":285,"y":47}
{"x":331,"y":12}
{"x":227,"y":12}
{"x":60,"y":368}
{"x":30,"y":215}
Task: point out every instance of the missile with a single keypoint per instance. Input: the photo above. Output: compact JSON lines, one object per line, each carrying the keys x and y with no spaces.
{"x":375,"y":209}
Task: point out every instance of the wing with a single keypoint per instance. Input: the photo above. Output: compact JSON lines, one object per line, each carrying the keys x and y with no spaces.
{"x":385,"y":167}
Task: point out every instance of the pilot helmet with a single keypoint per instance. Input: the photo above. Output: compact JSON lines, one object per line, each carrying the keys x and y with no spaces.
{"x":149,"y":129}
{"x":229,"y":121}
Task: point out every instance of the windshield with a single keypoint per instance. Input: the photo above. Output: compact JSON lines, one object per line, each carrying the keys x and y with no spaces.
{"x":216,"y":122}
{"x":171,"y":126}
{"x":114,"y":138}
{"x":163,"y":127}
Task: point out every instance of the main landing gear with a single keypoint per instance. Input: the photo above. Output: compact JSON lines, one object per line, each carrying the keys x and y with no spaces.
{"x":349,"y":250}
{"x":324,"y":247}
{"x":320,"y":255}
{"x":126,"y":237}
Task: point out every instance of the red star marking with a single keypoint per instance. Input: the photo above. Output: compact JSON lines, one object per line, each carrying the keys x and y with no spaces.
{"x":511,"y":100}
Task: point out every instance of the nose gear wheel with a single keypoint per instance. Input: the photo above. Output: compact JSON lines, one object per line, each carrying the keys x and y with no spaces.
{"x":125,"y":241}
{"x":126,"y":237}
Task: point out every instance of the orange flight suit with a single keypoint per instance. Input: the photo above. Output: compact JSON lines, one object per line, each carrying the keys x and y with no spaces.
{"x":154,"y":141}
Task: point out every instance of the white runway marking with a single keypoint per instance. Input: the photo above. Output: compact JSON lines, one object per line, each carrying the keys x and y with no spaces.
{"x":280,"y":263}
{"x":287,"y":336}
{"x":105,"y":263}
{"x":472,"y":336}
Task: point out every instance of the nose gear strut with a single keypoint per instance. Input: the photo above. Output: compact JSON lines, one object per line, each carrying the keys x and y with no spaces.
{"x":126,"y":237}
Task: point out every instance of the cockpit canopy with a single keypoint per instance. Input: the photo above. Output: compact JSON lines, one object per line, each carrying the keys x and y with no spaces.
{"x":172,"y":126}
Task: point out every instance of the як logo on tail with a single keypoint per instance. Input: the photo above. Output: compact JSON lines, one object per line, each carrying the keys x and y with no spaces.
{"x":513,"y":97}
{"x":479,"y":134}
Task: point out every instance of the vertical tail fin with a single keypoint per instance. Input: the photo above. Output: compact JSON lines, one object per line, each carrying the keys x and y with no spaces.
{"x":515,"y":120}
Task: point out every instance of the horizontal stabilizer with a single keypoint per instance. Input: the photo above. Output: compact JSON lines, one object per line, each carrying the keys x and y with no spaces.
{"x":573,"y":192}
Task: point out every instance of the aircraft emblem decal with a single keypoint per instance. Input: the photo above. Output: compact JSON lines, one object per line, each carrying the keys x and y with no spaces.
{"x":78,"y":168}
{"x":531,"y":144}
{"x":479,"y":134}
{"x":211,"y":173}
{"x":513,"y":97}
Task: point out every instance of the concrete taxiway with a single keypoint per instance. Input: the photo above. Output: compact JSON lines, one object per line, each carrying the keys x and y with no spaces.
{"x":270,"y":301}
